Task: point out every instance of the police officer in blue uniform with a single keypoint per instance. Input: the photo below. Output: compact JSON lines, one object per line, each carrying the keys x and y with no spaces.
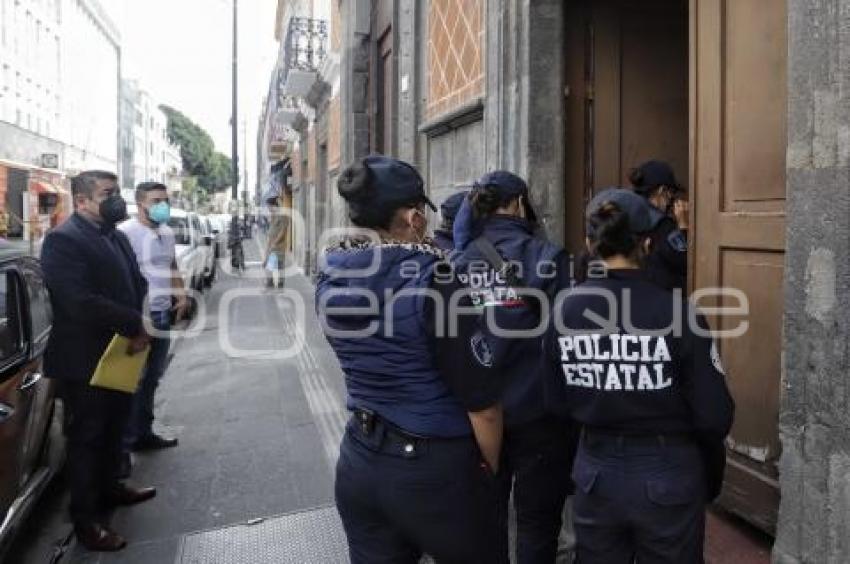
{"x":650,"y":394}
{"x":417,"y":465}
{"x":443,"y":237}
{"x":667,"y":260}
{"x":494,"y":230}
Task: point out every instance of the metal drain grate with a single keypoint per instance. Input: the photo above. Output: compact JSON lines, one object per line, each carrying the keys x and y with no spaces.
{"x":307,"y":537}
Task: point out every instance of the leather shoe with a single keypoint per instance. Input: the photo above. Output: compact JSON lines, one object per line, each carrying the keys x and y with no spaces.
{"x":154,"y":442}
{"x":97,"y":538}
{"x":122,"y":494}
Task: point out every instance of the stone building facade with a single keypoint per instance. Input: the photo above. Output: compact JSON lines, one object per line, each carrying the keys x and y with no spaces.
{"x":748,"y":100}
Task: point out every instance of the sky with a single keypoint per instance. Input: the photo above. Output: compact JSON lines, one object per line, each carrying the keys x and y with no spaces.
{"x":180,"y":51}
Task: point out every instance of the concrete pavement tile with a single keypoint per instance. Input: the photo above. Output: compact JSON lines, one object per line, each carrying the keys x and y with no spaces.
{"x":179,"y":507}
{"x":150,"y":552}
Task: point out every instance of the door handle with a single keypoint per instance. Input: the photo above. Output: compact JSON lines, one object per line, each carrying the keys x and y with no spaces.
{"x":29,"y":381}
{"x":6,"y":411}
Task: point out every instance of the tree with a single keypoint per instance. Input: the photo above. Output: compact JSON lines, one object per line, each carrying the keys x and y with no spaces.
{"x":200,"y":159}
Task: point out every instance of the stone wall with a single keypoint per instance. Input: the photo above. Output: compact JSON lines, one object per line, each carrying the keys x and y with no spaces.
{"x":814,"y":520}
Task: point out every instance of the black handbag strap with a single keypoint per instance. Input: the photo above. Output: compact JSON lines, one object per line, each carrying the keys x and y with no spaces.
{"x":494,"y":258}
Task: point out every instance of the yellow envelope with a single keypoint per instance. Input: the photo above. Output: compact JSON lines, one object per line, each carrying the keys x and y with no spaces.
{"x":118,"y":370}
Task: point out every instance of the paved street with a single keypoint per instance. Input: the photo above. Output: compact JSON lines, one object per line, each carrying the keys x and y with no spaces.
{"x":258,"y":434}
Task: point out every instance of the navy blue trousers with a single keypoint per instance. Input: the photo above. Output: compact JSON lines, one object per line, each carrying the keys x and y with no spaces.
{"x":639,"y":502}
{"x":400,"y":499}
{"x":536,"y":462}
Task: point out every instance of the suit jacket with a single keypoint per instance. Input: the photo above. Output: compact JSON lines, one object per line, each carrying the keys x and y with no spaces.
{"x":91,"y":296}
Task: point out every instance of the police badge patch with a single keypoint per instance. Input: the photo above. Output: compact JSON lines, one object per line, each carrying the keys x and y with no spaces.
{"x":715,"y":359}
{"x":677,"y":240}
{"x":481,"y":350}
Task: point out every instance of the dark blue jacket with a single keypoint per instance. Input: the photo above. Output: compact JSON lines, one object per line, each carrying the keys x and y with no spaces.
{"x":444,"y":240}
{"x":93,"y":295}
{"x":647,"y":377}
{"x":541,"y":265}
{"x":390,"y":372}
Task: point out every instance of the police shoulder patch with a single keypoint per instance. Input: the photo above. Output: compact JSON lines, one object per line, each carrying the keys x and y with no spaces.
{"x":677,"y":240}
{"x":715,"y":359}
{"x":481,"y":349}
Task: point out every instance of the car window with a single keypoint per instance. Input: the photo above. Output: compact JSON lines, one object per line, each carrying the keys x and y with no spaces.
{"x":10,"y":318}
{"x":39,"y":304}
{"x":180,"y":226}
{"x":197,"y":225}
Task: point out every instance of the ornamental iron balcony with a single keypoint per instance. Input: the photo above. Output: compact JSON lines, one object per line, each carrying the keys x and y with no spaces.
{"x":304,"y":53}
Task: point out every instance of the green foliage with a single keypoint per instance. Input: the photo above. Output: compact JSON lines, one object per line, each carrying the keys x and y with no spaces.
{"x":200,"y":159}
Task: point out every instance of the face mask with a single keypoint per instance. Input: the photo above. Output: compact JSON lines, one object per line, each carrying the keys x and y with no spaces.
{"x":113,"y":209}
{"x":159,"y":213}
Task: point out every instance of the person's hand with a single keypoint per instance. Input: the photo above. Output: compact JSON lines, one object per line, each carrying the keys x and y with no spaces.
{"x":180,"y":307}
{"x":680,"y":212}
{"x":138,"y":343}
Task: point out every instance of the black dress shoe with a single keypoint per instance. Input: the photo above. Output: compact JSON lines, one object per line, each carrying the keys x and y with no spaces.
{"x":154,"y":442}
{"x":122,"y":494}
{"x":98,"y":538}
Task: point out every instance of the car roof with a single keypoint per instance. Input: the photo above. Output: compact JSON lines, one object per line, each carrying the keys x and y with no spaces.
{"x":11,"y":250}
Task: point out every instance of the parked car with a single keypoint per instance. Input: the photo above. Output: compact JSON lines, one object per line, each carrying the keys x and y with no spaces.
{"x":32,"y":446}
{"x":191,"y":251}
{"x":208,"y":232}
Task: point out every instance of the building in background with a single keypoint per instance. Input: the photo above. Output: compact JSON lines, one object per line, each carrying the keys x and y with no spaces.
{"x":58,"y":110}
{"x":146,"y":152}
{"x":301,"y":121}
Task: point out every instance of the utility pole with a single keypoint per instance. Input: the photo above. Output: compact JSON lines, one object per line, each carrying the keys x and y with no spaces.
{"x":234,"y":128}
{"x":245,"y":160}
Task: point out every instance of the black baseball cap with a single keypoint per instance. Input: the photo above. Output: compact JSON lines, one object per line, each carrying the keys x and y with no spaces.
{"x":395,"y":182}
{"x":634,"y":206}
{"x":506,"y":184}
{"x":652,"y":174}
{"x":450,"y":206}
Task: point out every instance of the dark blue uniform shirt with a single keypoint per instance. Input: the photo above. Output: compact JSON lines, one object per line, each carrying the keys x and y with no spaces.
{"x":400,"y":366}
{"x":540,"y":265}
{"x":638,"y":374}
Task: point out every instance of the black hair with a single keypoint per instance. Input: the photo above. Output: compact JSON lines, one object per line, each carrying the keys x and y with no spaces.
{"x":365,"y":209}
{"x":145,"y":187}
{"x":610,"y":234}
{"x":485,"y":200}
{"x":85,"y":182}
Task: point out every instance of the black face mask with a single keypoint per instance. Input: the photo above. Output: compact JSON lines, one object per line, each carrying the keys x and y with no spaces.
{"x":113,"y":209}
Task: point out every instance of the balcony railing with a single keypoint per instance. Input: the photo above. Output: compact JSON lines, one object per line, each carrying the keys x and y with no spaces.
{"x":306,"y":44}
{"x":305,"y":50}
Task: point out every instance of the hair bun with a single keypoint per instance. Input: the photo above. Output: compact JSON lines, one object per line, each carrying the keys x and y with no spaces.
{"x":354,"y":183}
{"x":610,"y":231}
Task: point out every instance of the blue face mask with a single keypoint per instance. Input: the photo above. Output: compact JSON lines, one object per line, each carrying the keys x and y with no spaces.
{"x":160,"y":213}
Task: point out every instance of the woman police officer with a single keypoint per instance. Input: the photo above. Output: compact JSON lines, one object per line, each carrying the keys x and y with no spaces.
{"x":498,"y":218}
{"x":649,"y":393}
{"x":417,"y":463}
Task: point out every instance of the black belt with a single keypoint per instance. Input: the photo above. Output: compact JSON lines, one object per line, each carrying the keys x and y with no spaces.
{"x":370,"y":425}
{"x":589,"y":435}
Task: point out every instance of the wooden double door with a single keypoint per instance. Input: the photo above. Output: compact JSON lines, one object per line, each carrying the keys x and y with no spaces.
{"x":701,"y":84}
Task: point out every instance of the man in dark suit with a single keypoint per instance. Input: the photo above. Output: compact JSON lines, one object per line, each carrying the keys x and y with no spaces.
{"x":96,"y":290}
